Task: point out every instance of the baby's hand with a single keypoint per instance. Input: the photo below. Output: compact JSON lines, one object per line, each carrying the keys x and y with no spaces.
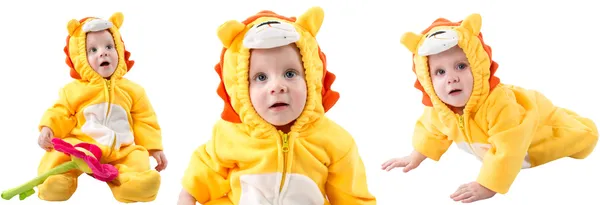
{"x":45,"y":139}
{"x":161,"y":159}
{"x":408,"y":162}
{"x":472,"y":192}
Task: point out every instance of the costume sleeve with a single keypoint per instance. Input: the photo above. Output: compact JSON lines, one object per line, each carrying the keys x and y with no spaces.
{"x":427,"y":140}
{"x":511,"y":129}
{"x":60,"y":117}
{"x":206,"y":176}
{"x":347,"y":180}
{"x":146,"y":130}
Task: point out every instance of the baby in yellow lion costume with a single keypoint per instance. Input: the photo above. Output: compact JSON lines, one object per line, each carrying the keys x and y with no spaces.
{"x":507,"y":127}
{"x":274,"y":145}
{"x":103,"y":108}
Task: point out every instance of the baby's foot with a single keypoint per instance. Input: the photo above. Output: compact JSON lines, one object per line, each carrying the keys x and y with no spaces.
{"x":126,"y":187}
{"x":57,"y":188}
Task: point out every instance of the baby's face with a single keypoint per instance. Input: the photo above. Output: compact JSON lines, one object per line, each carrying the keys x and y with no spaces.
{"x":277,"y":85}
{"x":451,"y":76}
{"x":101,"y":52}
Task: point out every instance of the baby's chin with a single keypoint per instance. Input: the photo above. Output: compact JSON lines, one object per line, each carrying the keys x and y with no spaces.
{"x":454,"y":103}
{"x":279,"y":123}
{"x":105,"y":72}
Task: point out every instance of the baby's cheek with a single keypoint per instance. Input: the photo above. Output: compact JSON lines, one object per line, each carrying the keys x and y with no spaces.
{"x":300,"y":93}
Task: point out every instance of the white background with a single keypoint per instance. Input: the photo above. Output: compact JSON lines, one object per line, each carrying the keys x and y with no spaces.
{"x":551,"y":47}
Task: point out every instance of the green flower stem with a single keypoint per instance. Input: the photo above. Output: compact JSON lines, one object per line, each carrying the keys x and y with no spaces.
{"x":26,"y":189}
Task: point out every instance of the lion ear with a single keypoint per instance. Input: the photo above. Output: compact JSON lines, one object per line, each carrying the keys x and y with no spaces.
{"x":411,"y":40}
{"x":228,"y":31}
{"x":312,"y":20}
{"x":72,"y":26}
{"x":472,"y":23}
{"x":117,"y":19}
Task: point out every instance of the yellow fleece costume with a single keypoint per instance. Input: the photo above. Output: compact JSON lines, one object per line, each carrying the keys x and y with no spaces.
{"x":114,"y":114}
{"x":248,"y":161}
{"x":507,"y":127}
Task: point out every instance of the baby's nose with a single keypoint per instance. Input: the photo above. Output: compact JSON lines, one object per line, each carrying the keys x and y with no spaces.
{"x":279,"y":89}
{"x":453,"y":79}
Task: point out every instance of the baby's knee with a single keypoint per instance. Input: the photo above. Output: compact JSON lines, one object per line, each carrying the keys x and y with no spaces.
{"x":136,"y":160}
{"x":129,"y":189}
{"x":591,"y":143}
{"x":57,"y":188}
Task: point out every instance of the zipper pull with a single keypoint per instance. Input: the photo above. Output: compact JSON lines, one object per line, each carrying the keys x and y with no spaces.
{"x":285,"y":147}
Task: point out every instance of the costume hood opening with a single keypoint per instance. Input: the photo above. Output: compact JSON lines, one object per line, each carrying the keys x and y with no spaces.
{"x":233,"y":67}
{"x":76,"y":47}
{"x":466,"y":34}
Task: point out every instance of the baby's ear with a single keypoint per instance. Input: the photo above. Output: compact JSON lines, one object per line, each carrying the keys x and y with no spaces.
{"x":72,"y":26}
{"x":472,"y":23}
{"x":117,"y":19}
{"x":228,"y":31}
{"x":312,"y":20}
{"x":411,"y":40}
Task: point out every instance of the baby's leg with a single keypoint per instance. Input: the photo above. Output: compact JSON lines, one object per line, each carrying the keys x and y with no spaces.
{"x":136,"y":181}
{"x":57,"y":187}
{"x":571,"y":136}
{"x":590,"y":139}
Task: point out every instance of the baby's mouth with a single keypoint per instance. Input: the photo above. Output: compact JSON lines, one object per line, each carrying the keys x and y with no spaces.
{"x":454,"y":91}
{"x":104,"y":63}
{"x":276,"y":105}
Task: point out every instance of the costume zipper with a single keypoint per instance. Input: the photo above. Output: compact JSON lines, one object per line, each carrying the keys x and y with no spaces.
{"x":461,"y":123}
{"x":109,"y":89}
{"x":112,"y":144}
{"x":285,"y":147}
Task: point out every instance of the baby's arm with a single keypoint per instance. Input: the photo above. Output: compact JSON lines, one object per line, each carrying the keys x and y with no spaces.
{"x":60,"y":117}
{"x":185,"y":198}
{"x":347,"y":180}
{"x":511,"y":129}
{"x":145,"y":124}
{"x":206,"y":177}
{"x":427,"y":140}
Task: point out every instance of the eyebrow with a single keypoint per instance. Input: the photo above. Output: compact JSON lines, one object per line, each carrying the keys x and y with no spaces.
{"x":267,"y":23}
{"x":436,"y":33}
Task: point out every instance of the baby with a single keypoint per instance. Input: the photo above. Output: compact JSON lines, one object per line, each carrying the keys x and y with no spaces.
{"x":274,"y":145}
{"x":103,"y":108}
{"x":508,"y":128}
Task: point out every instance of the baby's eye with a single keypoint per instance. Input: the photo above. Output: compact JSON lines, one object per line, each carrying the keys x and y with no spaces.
{"x":93,"y":50}
{"x":290,"y":74}
{"x":461,"y":66}
{"x":440,"y":72}
{"x":109,"y":47}
{"x":261,"y":77}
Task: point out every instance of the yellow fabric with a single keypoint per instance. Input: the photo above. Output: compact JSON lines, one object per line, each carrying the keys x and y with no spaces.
{"x":82,"y":114}
{"x":245,"y":161}
{"x":509,"y":128}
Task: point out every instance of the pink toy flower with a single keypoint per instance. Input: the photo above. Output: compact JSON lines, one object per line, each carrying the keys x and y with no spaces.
{"x":102,"y":172}
{"x":84,"y":157}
